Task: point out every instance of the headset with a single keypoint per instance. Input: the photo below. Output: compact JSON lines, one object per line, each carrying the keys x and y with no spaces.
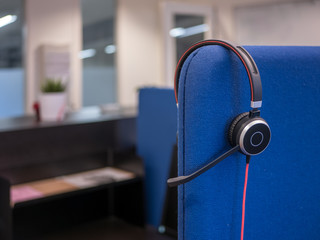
{"x":248,"y":132}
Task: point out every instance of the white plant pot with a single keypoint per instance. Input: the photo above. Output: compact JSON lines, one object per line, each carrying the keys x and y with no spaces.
{"x":52,"y":106}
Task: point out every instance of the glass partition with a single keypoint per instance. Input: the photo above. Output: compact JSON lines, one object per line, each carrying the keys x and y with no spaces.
{"x":183,"y":25}
{"x":188,"y":30}
{"x":98,"y":54}
{"x":11,"y":55}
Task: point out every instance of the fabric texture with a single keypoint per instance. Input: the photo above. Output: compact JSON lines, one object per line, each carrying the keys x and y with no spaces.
{"x":283,"y":192}
{"x":156,"y":136}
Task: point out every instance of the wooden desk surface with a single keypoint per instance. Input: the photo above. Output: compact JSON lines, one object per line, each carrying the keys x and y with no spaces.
{"x":67,"y":183}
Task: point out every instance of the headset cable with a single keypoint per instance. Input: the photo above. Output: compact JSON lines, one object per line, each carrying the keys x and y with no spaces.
{"x":248,"y":157}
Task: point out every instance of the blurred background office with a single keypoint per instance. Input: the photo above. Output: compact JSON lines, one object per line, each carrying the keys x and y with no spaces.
{"x":110,"y":49}
{"x":118,"y":46}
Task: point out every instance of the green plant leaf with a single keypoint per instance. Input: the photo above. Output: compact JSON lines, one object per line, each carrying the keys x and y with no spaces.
{"x":53,"y":85}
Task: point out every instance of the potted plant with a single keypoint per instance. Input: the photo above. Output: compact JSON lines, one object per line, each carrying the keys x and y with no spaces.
{"x":52,"y":100}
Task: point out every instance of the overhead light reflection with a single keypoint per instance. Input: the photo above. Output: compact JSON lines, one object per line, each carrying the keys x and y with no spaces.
{"x":177,"y":32}
{"x":186,"y":32}
{"x":87,"y":53}
{"x":7,"y":20}
{"x":110,"y":49}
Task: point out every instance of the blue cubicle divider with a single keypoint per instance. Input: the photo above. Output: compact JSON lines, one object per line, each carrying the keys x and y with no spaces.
{"x":156,"y":130}
{"x":283,"y":193}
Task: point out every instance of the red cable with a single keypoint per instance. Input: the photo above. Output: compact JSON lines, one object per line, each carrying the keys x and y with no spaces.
{"x":244,"y":199}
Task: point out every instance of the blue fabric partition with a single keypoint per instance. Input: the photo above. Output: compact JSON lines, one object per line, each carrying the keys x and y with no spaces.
{"x":283,"y":193}
{"x":156,"y":130}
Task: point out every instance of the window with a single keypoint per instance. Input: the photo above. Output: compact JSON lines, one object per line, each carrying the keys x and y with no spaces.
{"x":183,"y":25}
{"x":188,"y":29}
{"x":98,"y":54}
{"x":11,"y":55}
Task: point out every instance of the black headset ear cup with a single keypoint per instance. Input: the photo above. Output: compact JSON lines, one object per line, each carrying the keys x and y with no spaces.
{"x":233,"y":124}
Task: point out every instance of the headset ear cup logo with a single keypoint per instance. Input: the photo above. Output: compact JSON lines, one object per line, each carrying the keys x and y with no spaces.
{"x":251,"y":134}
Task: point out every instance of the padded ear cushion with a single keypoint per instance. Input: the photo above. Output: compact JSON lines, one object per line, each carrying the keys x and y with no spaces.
{"x":233,"y":124}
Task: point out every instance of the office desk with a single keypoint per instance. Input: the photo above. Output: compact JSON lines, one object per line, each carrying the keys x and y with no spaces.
{"x":39,"y":154}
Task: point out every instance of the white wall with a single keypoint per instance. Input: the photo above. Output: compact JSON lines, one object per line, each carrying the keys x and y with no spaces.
{"x":292,"y":23}
{"x":50,"y":22}
{"x":138,"y":38}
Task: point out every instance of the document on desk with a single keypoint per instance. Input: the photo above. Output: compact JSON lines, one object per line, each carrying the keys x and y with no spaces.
{"x":97,"y":177}
{"x":24,"y":193}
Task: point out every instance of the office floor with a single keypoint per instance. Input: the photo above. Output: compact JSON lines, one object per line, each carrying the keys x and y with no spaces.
{"x":113,"y":229}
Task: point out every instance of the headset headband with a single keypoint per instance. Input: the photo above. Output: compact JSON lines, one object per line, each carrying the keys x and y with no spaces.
{"x":243,"y":55}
